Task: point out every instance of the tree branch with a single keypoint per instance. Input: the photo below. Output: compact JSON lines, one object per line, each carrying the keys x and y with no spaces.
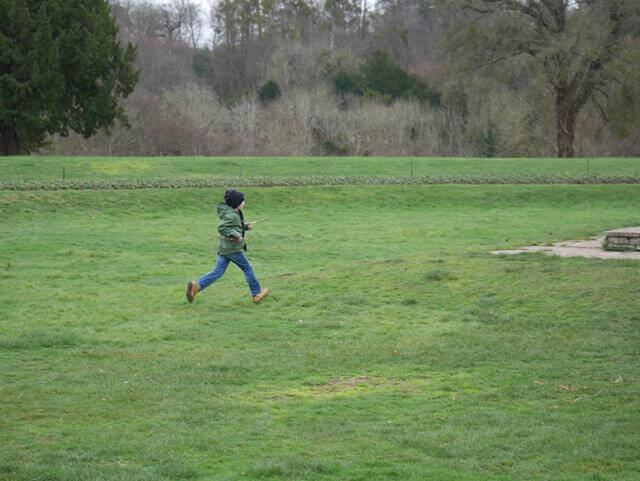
{"x":601,"y":110}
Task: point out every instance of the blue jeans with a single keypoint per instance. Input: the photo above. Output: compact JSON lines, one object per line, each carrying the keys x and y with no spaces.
{"x":239,"y":259}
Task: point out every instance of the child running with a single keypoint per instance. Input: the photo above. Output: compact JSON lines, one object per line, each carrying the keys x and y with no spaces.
{"x":231,"y":248}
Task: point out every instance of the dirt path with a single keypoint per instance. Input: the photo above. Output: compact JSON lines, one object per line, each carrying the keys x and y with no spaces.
{"x":577,"y":248}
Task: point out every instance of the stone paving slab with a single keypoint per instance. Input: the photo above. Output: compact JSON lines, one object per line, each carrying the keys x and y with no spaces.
{"x":626,"y":232}
{"x":575,"y":248}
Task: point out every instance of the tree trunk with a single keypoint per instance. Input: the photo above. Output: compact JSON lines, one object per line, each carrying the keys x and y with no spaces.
{"x":363,"y":20}
{"x":9,"y":144}
{"x":566,"y":115}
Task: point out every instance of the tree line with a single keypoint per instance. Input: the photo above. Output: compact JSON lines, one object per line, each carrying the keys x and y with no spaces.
{"x":325,"y":77}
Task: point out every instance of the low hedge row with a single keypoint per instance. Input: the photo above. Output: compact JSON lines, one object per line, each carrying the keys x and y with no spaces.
{"x":302,"y":181}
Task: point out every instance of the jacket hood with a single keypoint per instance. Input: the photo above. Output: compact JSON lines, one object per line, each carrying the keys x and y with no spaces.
{"x":224,"y":209}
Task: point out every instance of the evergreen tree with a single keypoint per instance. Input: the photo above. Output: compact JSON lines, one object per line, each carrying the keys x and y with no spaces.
{"x":381,"y":77}
{"x":61,"y":68}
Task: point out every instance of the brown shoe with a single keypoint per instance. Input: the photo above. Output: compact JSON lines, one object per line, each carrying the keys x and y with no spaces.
{"x":263,"y":293}
{"x":192,"y":289}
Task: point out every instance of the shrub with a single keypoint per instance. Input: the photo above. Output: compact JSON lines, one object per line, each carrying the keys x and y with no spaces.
{"x":347,"y":83}
{"x":490,"y":139}
{"x":269,"y":92}
{"x":382,"y":76}
{"x":329,"y":138}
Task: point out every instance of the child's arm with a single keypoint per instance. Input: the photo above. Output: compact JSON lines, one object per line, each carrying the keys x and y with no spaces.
{"x":251,"y":224}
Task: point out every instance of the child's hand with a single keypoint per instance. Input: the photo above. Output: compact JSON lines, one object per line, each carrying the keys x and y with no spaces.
{"x":250,"y":226}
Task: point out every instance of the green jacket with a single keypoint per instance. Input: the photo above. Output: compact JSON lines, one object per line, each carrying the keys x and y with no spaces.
{"x":231,"y":226}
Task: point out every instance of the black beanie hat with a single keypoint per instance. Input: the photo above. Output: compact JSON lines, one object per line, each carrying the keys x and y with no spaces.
{"x":233,"y":198}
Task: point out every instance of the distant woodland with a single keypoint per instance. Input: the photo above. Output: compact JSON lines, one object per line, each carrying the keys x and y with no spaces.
{"x":481,"y":78}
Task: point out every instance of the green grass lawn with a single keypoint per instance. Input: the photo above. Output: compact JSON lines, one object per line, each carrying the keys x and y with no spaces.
{"x":393,"y":346}
{"x":81,"y":168}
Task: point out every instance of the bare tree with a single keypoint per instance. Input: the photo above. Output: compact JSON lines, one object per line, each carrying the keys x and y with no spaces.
{"x":572,"y":42}
{"x":193,"y":24}
{"x":173,"y":17}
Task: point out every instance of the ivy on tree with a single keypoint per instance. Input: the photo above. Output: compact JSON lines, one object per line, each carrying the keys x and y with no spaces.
{"x":61,"y":68}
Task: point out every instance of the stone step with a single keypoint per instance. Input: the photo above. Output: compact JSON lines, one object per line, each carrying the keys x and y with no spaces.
{"x":627,"y":239}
